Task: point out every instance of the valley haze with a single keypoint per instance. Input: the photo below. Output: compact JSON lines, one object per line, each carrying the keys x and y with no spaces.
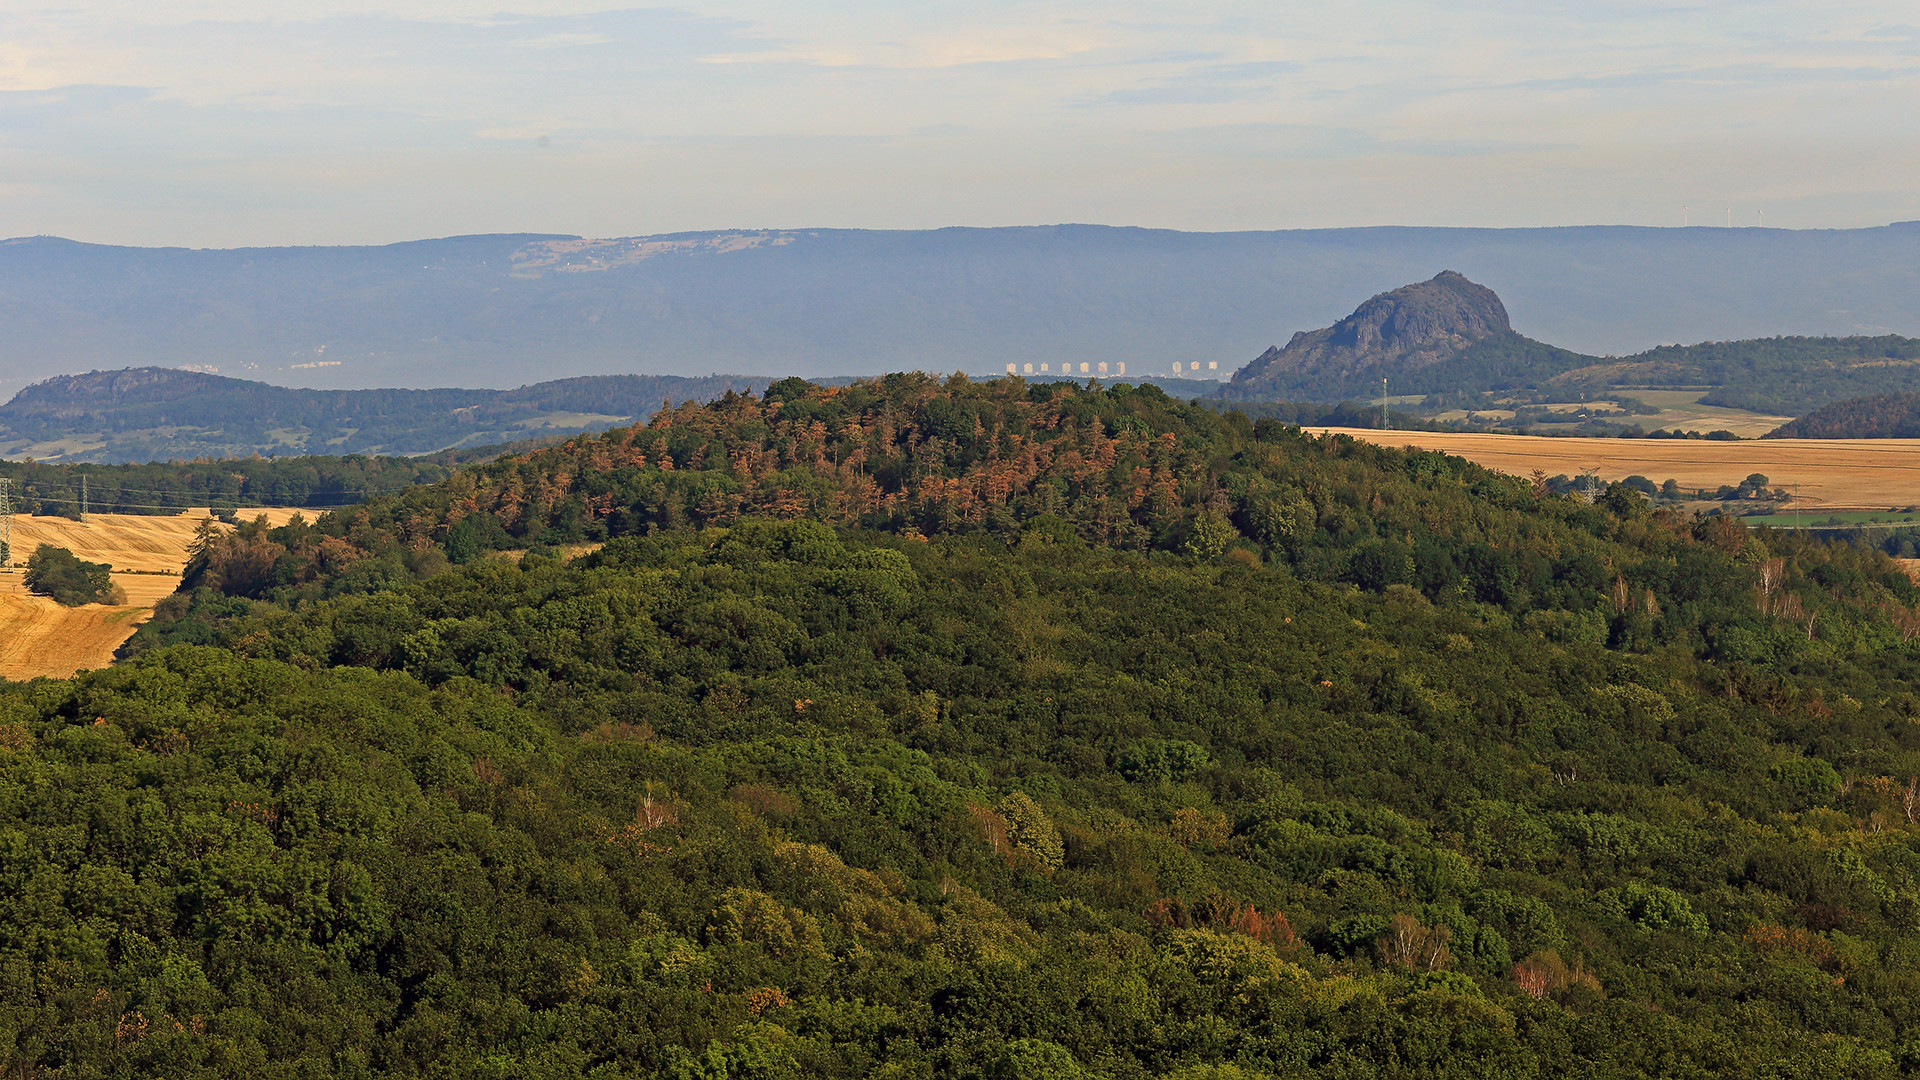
{"x":499,"y":310}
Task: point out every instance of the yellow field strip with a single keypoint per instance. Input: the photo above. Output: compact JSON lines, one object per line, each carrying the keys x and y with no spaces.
{"x":39,"y":637}
{"x":1833,"y":473}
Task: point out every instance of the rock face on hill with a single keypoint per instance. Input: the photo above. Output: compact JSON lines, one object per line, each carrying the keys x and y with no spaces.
{"x":1410,"y":328}
{"x":97,"y":394}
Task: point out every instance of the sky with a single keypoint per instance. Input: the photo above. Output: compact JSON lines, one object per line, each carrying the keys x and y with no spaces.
{"x":219,"y":123}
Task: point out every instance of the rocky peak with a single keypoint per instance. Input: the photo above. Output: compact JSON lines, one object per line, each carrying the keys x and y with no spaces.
{"x":1445,"y":309}
{"x":107,"y":389}
{"x":1409,"y":328}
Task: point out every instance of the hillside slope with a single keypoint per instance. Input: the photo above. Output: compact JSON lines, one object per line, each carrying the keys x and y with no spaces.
{"x":1883,"y":416}
{"x":1451,"y":337}
{"x":1443,"y":335}
{"x":959,"y":730}
{"x":39,"y":637}
{"x":1768,"y":375}
{"x":157,"y":414}
{"x":480,"y":311}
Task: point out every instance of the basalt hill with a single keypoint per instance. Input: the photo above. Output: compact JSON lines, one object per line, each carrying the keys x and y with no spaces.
{"x":1420,"y":337}
{"x":1451,"y":336}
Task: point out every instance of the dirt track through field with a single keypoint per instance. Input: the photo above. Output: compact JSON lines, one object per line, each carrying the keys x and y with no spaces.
{"x":39,"y":637}
{"x":1875,"y":474}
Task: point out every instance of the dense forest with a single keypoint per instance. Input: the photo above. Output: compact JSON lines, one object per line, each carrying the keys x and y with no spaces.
{"x":922,"y":729}
{"x":1347,"y":414}
{"x":168,"y":488}
{"x":1885,"y":416}
{"x":1784,"y":375}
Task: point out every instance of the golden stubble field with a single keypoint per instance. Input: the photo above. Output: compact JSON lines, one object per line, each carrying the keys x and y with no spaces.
{"x":39,"y":637}
{"x":1830,"y":474}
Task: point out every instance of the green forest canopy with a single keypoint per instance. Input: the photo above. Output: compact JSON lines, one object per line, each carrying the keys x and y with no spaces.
{"x":170,"y":487}
{"x":1883,"y":416}
{"x":910,"y":729}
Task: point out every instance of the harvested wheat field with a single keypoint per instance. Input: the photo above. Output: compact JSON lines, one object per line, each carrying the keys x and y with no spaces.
{"x":1875,"y":474}
{"x":39,"y":637}
{"x":147,"y":553}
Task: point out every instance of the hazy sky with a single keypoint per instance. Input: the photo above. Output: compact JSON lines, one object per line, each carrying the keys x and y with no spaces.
{"x":218,"y":122}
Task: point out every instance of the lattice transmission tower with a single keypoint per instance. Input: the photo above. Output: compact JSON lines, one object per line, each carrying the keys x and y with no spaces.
{"x":6,"y":521}
{"x":1590,"y":484}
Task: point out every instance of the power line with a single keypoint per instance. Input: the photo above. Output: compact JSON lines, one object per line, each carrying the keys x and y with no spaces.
{"x":182,"y":509}
{"x":85,"y":500}
{"x":210,"y":493}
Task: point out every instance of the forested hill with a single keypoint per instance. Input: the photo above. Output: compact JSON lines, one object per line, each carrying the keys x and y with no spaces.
{"x":1451,"y":336}
{"x":921,"y":729}
{"x":159,"y":414}
{"x":1787,"y":375}
{"x":1885,"y":416}
{"x":220,"y":486}
{"x":1444,"y":335}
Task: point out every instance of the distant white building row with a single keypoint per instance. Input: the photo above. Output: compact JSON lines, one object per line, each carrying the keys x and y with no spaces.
{"x":1090,"y":368}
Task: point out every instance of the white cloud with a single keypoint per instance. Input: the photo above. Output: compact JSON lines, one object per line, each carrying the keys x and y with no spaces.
{"x":210,"y":121}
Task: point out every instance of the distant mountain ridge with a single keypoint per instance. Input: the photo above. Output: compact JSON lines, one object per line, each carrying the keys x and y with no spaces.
{"x":487,"y":310}
{"x":158,"y":414}
{"x":167,"y":414}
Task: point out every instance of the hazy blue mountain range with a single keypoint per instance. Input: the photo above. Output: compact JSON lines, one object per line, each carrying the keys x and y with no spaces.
{"x":505,"y":310}
{"x":167,"y":414}
{"x":1447,"y":337}
{"x":160,"y":414}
